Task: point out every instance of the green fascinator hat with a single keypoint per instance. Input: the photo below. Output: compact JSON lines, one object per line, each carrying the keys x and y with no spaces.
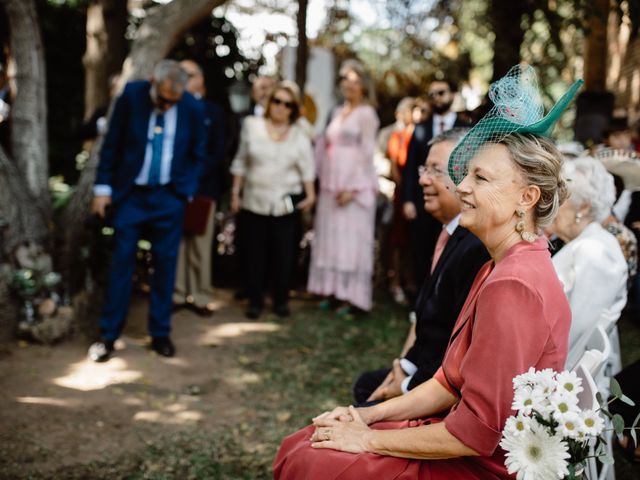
{"x":517,"y":108}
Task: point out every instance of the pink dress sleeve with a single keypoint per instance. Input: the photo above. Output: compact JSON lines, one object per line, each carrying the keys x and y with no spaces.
{"x":510,"y":333}
{"x":369,"y":123}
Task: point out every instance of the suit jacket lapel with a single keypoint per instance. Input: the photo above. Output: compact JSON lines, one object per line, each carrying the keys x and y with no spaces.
{"x":451,"y":245}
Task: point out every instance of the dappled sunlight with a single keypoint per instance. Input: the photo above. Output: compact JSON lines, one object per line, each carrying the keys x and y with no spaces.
{"x":175,"y":414}
{"x":236,"y":329}
{"x":243,"y":379}
{"x":55,"y":402}
{"x":87,"y":375}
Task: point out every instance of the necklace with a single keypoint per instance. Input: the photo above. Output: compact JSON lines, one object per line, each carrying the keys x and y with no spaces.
{"x":277,"y":132}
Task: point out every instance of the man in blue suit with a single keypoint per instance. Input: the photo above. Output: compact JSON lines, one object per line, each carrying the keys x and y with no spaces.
{"x":149,"y":167}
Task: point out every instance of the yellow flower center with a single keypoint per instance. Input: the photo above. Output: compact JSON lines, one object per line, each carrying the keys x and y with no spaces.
{"x":568,"y":386}
{"x":520,"y":426}
{"x":589,"y":422}
{"x":563,"y":407}
{"x":570,"y":426}
{"x":528,"y":402}
{"x":534,"y":452}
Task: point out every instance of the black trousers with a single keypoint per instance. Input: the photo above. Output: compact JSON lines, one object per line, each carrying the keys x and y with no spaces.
{"x":366,"y":384}
{"x":267,"y":252}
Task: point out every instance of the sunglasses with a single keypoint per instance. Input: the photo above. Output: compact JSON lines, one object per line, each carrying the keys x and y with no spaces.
{"x":438,"y":93}
{"x":279,"y":101}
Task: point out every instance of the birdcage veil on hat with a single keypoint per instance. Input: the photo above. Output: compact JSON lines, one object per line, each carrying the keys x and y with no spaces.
{"x":517,"y":108}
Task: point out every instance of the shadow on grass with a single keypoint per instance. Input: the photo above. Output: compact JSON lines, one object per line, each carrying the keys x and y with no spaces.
{"x":300,"y":369}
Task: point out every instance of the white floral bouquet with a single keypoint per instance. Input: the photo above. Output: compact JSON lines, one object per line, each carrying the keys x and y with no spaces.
{"x":550,"y":436}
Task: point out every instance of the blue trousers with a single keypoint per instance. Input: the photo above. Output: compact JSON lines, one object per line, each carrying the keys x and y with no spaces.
{"x":155,"y":214}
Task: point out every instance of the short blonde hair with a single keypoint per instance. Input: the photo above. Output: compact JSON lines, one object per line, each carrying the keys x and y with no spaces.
{"x":293,"y":90}
{"x":541,"y":165}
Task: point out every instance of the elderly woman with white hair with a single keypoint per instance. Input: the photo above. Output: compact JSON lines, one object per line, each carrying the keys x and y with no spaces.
{"x":591,"y":265}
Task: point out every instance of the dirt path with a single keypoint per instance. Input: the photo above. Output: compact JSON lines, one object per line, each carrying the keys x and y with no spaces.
{"x":57,"y":408}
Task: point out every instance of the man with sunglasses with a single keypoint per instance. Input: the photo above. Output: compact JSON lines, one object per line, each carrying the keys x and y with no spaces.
{"x":424,"y":227}
{"x":150,"y":163}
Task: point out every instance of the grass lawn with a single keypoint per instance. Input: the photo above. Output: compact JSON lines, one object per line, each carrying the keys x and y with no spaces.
{"x":299,"y":371}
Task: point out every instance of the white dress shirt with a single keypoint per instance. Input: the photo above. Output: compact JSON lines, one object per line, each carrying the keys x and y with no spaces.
{"x":170,"y":123}
{"x":272,"y":170}
{"x":593,"y":271}
{"x":448,"y":118}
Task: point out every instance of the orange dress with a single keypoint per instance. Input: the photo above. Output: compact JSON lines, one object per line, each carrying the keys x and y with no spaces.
{"x":397,"y":149}
{"x":516,"y":316}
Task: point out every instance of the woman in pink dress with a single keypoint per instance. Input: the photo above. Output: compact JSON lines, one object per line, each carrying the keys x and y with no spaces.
{"x":342,"y":249}
{"x":515,"y":317}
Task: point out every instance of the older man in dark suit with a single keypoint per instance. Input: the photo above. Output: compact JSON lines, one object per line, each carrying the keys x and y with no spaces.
{"x":457,"y":258}
{"x":150,"y":162}
{"x":424,"y":227}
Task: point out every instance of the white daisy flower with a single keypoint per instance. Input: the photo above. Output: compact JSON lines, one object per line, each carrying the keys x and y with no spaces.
{"x":562,"y":403}
{"x":591,"y":423}
{"x":527,"y":399}
{"x":527,"y":378}
{"x":570,"y":425}
{"x":536,"y":455}
{"x":569,"y":382}
{"x":518,"y":425}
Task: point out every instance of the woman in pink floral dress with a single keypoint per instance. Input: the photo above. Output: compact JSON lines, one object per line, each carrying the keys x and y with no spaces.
{"x":342,"y":251}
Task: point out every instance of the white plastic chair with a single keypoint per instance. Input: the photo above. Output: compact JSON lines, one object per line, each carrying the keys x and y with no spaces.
{"x":609,"y":322}
{"x":587,"y":400}
{"x":595,"y":358}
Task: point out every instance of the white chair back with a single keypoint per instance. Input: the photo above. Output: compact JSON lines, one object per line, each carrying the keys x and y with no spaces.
{"x":587,"y":400}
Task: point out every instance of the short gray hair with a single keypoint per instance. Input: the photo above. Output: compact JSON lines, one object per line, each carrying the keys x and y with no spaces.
{"x":589,"y":183}
{"x":454,"y":135}
{"x":170,"y":70}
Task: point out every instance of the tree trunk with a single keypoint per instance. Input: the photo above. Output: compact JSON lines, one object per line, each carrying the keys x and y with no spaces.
{"x":157,"y":35}
{"x":106,"y":50}
{"x":506,"y":17}
{"x":302,"y":52}
{"x":160,"y":31}
{"x":29,"y":145}
{"x":595,"y":58}
{"x":18,"y":208}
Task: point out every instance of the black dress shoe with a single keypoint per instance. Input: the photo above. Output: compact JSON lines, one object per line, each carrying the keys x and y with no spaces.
{"x":101,"y":350}
{"x":253,"y":312}
{"x":163,"y":346}
{"x":282,"y":310}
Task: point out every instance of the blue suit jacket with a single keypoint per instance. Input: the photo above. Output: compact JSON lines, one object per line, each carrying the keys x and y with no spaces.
{"x":124,"y":146}
{"x":210,"y":183}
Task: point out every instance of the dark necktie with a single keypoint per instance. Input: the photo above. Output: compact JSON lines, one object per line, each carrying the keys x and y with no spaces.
{"x":442,"y":126}
{"x":156,"y":151}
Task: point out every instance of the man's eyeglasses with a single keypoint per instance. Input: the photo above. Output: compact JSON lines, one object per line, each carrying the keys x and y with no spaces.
{"x":431,"y":171}
{"x":278,"y":101}
{"x":438,"y":93}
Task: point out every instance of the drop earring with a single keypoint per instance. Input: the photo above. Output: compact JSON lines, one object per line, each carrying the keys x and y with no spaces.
{"x":578,"y":217}
{"x":526,"y":236}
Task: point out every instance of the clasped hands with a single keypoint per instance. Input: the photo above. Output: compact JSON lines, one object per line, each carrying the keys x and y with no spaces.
{"x":392,"y":384}
{"x":344,"y":428}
